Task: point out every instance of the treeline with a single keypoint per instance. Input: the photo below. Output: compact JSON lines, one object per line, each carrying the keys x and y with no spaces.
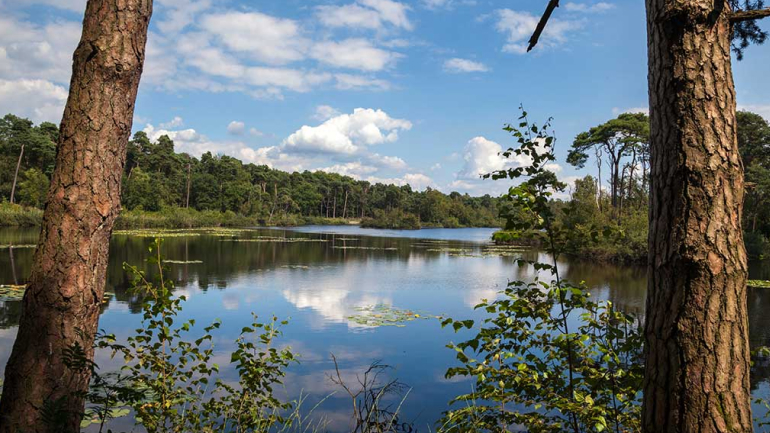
{"x":606,"y":216}
{"x":157,"y":179}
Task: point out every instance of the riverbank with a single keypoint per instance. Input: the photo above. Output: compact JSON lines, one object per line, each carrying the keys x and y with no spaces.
{"x":179,"y":218}
{"x":172,"y":218}
{"x":12,"y":215}
{"x":617,"y":250}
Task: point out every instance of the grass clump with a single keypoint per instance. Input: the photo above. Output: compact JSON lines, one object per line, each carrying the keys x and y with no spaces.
{"x":14,"y":215}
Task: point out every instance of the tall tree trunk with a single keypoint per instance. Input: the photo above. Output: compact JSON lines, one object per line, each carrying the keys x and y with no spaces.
{"x":697,"y":346}
{"x":345,"y":207}
{"x":599,"y":190}
{"x":66,"y":287}
{"x":187,"y":201}
{"x":615,"y":168}
{"x":16,"y":175}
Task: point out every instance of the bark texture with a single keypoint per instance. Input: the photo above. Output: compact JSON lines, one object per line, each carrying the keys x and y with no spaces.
{"x":697,"y":370}
{"x":66,"y":287}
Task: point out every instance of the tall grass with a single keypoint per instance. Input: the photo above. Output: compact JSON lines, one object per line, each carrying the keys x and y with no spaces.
{"x":13,"y":215}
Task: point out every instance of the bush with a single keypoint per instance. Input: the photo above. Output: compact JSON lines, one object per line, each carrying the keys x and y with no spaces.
{"x":547,"y":358}
{"x":392,"y":219}
{"x":174,"y":217}
{"x":13,"y":215}
{"x":173,"y":385}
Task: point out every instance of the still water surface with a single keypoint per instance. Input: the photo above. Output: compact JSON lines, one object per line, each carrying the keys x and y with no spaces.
{"x":318,"y":285}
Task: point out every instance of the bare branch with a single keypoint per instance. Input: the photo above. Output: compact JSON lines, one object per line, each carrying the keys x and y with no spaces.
{"x":552,"y":4}
{"x":757,"y":14}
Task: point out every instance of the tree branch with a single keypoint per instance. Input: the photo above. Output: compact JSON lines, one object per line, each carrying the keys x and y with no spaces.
{"x":552,"y":4}
{"x":756,"y":14}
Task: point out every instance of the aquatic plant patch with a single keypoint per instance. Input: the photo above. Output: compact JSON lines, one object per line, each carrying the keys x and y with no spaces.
{"x":279,"y":240}
{"x":366,"y":248}
{"x":386,"y":315}
{"x":12,"y":292}
{"x":15,"y":292}
{"x":156,"y":233}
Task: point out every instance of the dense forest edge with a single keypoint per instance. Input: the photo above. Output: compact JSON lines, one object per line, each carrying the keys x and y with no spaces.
{"x":163,"y":189}
{"x":166,"y":189}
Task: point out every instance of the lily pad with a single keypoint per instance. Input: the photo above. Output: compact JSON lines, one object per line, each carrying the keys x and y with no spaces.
{"x":366,"y":248}
{"x":12,"y":292}
{"x":385,"y":315}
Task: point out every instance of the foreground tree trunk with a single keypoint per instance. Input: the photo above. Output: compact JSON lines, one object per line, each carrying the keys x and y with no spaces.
{"x":697,"y":369}
{"x":61,"y":305}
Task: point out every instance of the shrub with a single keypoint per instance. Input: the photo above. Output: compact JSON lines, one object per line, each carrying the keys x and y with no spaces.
{"x":392,"y":219}
{"x":172,"y":384}
{"x":547,"y":358}
{"x":13,"y":215}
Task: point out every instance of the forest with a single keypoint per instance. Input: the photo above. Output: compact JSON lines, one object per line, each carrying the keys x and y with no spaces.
{"x":163,"y":188}
{"x":158,"y":179}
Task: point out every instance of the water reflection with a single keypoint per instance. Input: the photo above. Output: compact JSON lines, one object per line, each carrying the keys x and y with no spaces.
{"x":319,"y":284}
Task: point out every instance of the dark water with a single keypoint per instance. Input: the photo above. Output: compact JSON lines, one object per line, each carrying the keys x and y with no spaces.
{"x":317,"y":285}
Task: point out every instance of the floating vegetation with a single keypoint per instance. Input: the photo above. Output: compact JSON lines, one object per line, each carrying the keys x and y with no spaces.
{"x":348,"y":239}
{"x":171,"y":233}
{"x":759,"y":284}
{"x":295,"y":267}
{"x":386,"y":315}
{"x":157,"y":233}
{"x":96,"y":418}
{"x":279,"y":240}
{"x":7,"y":247}
{"x":485,"y":251}
{"x":450,"y":250}
{"x":366,"y":248}
{"x":12,"y":292}
{"x":183,"y":262}
{"x":15,"y":292}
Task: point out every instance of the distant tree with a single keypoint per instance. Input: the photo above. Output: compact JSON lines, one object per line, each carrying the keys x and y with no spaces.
{"x":34,"y":187}
{"x":616,"y":140}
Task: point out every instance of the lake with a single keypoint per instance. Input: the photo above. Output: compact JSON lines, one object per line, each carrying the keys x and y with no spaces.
{"x":319,"y":283}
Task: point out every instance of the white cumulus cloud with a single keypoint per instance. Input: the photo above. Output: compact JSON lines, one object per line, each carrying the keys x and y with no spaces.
{"x":39,"y":100}
{"x":347,"y":133}
{"x":457,"y":65}
{"x":265,"y":38}
{"x":589,"y":8}
{"x":236,"y":128}
{"x":354,"y":53}
{"x":366,"y":14}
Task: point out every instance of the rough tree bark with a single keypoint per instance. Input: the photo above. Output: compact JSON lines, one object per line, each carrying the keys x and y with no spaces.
{"x":61,"y":305}
{"x":697,"y":369}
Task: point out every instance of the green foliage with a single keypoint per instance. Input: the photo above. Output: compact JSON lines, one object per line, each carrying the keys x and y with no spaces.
{"x":157,"y":178}
{"x":13,"y":215}
{"x":392,"y":219}
{"x":33,"y":188}
{"x":547,"y":358}
{"x":170,"y":381}
{"x":39,"y":149}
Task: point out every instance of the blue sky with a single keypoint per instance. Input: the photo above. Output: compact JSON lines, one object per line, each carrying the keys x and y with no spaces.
{"x":406,"y":92}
